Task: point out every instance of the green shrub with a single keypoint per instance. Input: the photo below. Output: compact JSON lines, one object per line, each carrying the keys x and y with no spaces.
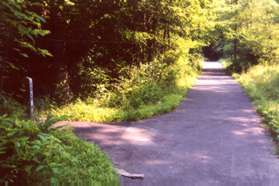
{"x":140,"y":85}
{"x":93,"y":79}
{"x":38,"y":154}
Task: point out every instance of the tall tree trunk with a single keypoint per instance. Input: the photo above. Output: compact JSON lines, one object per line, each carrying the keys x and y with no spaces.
{"x":62,"y":92}
{"x":235,"y":49}
{"x":235,"y":41}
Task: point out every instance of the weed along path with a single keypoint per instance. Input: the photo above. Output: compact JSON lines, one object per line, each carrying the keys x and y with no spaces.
{"x":213,"y":138}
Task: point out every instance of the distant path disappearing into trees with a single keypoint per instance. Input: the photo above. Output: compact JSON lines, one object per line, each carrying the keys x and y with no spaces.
{"x":213,"y":138}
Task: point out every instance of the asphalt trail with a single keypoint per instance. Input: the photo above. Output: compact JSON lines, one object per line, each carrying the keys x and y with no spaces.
{"x":214,"y":138}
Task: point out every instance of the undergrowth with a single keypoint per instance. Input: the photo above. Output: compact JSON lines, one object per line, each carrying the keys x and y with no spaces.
{"x":262,"y":84}
{"x":141,"y":91}
{"x":147,"y":90}
{"x":36,"y":153}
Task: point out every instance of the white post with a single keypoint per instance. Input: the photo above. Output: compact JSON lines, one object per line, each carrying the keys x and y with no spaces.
{"x":31,"y":97}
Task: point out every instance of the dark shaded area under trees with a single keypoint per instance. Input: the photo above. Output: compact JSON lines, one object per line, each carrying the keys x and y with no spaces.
{"x":84,"y":36}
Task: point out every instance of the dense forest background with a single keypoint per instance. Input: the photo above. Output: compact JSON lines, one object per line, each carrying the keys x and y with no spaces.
{"x":72,"y":48}
{"x":79,"y":49}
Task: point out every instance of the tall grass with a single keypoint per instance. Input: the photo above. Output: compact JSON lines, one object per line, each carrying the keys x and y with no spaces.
{"x":262,"y":84}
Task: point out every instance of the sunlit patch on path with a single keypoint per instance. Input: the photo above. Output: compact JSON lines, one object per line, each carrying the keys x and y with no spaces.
{"x":213,"y":138}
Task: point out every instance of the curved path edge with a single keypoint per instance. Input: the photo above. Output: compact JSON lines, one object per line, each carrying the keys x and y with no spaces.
{"x":214,"y":138}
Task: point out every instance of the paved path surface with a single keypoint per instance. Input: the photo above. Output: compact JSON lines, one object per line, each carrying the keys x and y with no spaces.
{"x":213,"y":138}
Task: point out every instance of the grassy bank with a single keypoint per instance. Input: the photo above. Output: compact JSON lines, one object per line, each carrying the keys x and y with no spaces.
{"x":33,"y":153}
{"x":261,"y":82}
{"x":87,"y":111}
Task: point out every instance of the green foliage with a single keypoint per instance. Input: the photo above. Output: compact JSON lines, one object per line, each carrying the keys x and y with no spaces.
{"x":142,"y":91}
{"x":38,"y":154}
{"x":10,"y":107}
{"x":249,"y":31}
{"x":93,"y":42}
{"x":20,"y":25}
{"x":140,"y":85}
{"x":262,"y":84}
{"x":20,"y":28}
